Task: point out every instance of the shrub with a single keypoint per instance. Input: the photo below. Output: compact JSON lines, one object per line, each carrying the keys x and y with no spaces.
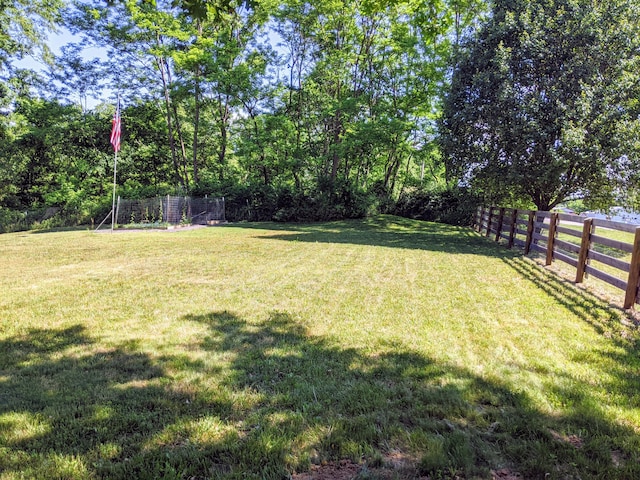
{"x":455,"y":206}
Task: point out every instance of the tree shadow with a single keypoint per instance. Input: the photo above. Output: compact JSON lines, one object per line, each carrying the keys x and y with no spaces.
{"x":273,"y":399}
{"x":622,"y":359}
{"x":319,"y":402}
{"x":384,"y":231}
{"x":71,"y":409}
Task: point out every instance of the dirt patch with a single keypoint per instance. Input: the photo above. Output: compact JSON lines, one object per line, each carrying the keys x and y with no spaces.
{"x":505,"y":474}
{"x":342,"y":470}
{"x":573,"y":440}
{"x":394,"y":466}
{"x":171,"y":228}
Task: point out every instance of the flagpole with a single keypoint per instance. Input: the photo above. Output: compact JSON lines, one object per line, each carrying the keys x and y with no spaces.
{"x":113,"y":203}
{"x":115,"y":141}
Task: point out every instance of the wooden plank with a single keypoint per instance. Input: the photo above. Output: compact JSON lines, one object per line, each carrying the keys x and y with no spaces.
{"x":605,"y":277}
{"x":567,"y":246}
{"x":553,"y":223}
{"x":565,"y":258}
{"x":541,"y":226}
{"x":585,"y":246}
{"x":633,"y":280}
{"x":537,"y":236}
{"x":544,"y":214}
{"x":625,"y":247}
{"x":522,"y":222}
{"x":625,"y":227}
{"x":607,"y":260}
{"x":539,"y":248}
{"x":519,"y":243}
{"x":521,"y":232}
{"x":567,"y":217}
{"x":569,"y":231}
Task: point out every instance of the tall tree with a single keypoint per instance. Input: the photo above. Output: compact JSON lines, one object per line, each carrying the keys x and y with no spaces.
{"x":536,"y":96}
{"x":24,"y":26}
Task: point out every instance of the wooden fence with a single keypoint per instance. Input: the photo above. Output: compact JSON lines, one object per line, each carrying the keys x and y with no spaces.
{"x":571,"y":239}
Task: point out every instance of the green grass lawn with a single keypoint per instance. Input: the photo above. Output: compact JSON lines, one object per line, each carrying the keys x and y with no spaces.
{"x":265,"y":350}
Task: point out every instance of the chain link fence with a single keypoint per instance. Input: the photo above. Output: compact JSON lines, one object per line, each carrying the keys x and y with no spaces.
{"x":170,"y":209}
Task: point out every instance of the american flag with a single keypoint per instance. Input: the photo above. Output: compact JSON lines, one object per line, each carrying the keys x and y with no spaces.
{"x":115,"y":130}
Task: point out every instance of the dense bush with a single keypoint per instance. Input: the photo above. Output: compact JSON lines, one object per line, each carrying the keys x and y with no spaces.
{"x":285,"y":204}
{"x":259,"y":202}
{"x":455,"y":206}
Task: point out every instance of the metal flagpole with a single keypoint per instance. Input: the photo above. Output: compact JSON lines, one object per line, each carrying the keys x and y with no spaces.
{"x":113,"y":203}
{"x":115,"y":141}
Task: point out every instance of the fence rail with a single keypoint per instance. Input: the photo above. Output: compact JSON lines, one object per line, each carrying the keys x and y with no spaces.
{"x":573,"y":240}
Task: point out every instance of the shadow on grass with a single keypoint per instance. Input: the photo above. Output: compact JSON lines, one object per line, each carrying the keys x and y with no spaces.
{"x":69,"y":409}
{"x":384,"y":231}
{"x":283,"y":400}
{"x":319,"y":402}
{"x":622,"y":360}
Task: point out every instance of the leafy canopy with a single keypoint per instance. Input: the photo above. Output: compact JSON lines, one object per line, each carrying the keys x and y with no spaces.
{"x":537,"y":101}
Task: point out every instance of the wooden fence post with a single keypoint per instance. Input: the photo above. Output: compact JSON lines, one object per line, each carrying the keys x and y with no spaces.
{"x":512,"y":229}
{"x":489,"y":221}
{"x":500,"y":222}
{"x":553,"y":222}
{"x":584,"y":249}
{"x":527,"y":246}
{"x":634,"y":273}
{"x":485,"y":213}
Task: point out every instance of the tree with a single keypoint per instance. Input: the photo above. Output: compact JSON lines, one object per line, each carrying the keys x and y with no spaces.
{"x":537,"y":99}
{"x":24,"y":26}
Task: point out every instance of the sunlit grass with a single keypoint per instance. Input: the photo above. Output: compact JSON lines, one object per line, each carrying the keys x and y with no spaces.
{"x":255,"y":351}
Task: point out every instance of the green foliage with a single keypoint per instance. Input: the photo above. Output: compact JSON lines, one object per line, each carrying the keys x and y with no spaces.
{"x":11,"y":220}
{"x":539,"y":99}
{"x":455,"y":206}
{"x":24,"y":26}
{"x":265,"y":203}
{"x":208,"y":109}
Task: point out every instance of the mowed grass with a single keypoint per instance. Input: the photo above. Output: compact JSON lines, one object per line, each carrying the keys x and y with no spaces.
{"x":265,"y":350}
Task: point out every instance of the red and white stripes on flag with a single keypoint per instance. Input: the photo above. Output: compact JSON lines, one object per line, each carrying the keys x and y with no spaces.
{"x":115,"y":130}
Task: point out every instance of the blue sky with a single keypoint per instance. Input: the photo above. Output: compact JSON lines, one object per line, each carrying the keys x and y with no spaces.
{"x":56,"y":41}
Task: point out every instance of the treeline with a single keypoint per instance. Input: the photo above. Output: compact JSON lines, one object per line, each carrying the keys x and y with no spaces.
{"x":292,"y":111}
{"x":299,"y":111}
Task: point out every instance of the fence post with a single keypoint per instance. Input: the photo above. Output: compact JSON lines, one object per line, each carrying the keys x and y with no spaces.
{"x":479,"y":215}
{"x":489,"y":220}
{"x":553,"y":222}
{"x":512,"y":229}
{"x":585,"y":245}
{"x":500,"y":222}
{"x":527,"y":246}
{"x":634,"y":273}
{"x":484,"y":212}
